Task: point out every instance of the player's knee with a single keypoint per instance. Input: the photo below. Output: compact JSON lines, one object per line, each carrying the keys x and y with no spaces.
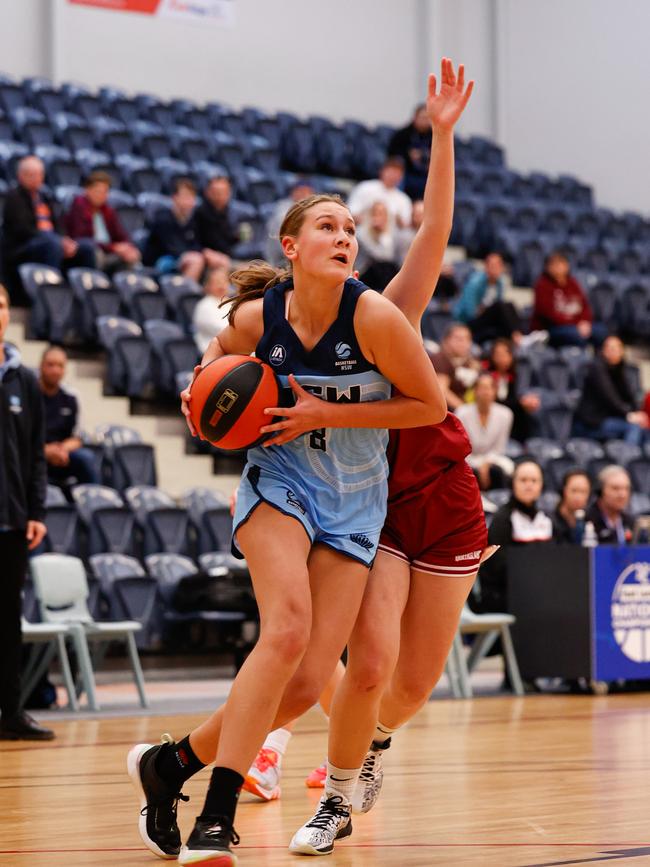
{"x":371,"y":673}
{"x":288,"y":639}
{"x":412,"y":691}
{"x":305,"y":692}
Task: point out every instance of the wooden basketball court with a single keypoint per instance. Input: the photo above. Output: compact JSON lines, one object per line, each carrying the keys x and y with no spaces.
{"x":529,"y":782}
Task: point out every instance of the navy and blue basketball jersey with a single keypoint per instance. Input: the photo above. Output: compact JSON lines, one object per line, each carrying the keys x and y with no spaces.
{"x":343,"y":470}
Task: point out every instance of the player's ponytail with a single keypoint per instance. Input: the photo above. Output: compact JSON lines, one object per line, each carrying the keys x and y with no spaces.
{"x":256,"y":277}
{"x":252,"y":281}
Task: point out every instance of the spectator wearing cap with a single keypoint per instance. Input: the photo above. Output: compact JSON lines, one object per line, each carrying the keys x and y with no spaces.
{"x":386,"y":189}
{"x":300,"y":190}
{"x":173,"y":243}
{"x":561,"y":306}
{"x":413,"y":144}
{"x":91,"y":217}
{"x":215,"y":228}
{"x":32,"y":231}
{"x":64,"y":452}
{"x":608,"y":514}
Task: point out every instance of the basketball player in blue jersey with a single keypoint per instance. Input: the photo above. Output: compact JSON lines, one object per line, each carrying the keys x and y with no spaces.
{"x":309,"y":512}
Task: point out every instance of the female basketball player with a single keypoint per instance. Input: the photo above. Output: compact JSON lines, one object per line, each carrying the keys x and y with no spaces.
{"x":278,"y":550}
{"x":430,"y":548}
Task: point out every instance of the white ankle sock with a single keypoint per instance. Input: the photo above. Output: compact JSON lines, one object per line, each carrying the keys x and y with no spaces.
{"x":278,"y":740}
{"x":341,"y":781}
{"x":382,"y":733}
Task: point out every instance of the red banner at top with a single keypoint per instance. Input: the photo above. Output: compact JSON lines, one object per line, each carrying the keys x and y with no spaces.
{"x":146,"y":7}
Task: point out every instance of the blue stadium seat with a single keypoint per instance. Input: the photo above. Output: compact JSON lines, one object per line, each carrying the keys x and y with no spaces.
{"x":554,"y":471}
{"x":639,"y":470}
{"x":11,"y":97}
{"x":146,"y":305}
{"x":582,"y":451}
{"x":129,"y":355}
{"x":167,"y":530}
{"x":128,"y":283}
{"x":133,"y":464}
{"x":543,"y":449}
{"x":215,"y":530}
{"x":62,"y":521}
{"x":89,"y":498}
{"x":95,"y":297}
{"x":620,"y":452}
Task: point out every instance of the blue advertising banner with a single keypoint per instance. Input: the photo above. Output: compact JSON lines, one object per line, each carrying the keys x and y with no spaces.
{"x":620,"y":594}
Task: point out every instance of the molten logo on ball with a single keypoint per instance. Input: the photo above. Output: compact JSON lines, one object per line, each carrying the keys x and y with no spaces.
{"x":224,"y":405}
{"x":631,"y":612}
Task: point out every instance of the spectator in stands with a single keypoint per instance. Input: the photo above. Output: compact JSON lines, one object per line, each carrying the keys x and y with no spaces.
{"x":488,"y":425}
{"x":455,"y":365}
{"x":64,"y":452}
{"x":518,"y":522}
{"x":405,"y":235}
{"x":413,"y":144}
{"x":612,"y":523}
{"x":22,"y":513}
{"x":215,"y":228}
{"x":384,"y":189}
{"x":376,"y":259}
{"x":32,"y":231}
{"x":209,"y":316}
{"x":502,"y":365}
{"x":561,"y":307}
{"x":608,"y":406}
{"x":570,"y":513}
{"x":301,"y":189}
{"x":482,"y":303}
{"x":173,"y":243}
{"x":91,"y":217}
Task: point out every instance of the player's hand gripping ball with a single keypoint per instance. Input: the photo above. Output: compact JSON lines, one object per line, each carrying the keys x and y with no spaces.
{"x":228,"y":399}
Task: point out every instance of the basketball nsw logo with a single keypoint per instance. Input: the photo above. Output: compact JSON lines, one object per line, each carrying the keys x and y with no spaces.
{"x":343,"y":350}
{"x":630,"y":611}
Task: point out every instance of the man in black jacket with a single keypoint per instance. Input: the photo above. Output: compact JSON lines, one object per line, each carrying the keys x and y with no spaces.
{"x":413,"y":144}
{"x":173,"y":243}
{"x":214,"y":226}
{"x":31,"y":229}
{"x":608,"y":405}
{"x":22,"y":511}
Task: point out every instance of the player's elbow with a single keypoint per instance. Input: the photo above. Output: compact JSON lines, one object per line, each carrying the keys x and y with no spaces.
{"x":436,"y":410}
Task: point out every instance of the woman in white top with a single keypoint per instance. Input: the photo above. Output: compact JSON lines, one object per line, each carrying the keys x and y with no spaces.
{"x":488,"y":425}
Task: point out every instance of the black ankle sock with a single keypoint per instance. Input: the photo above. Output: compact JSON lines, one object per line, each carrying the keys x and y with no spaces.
{"x":223,"y":793}
{"x":176,"y":763}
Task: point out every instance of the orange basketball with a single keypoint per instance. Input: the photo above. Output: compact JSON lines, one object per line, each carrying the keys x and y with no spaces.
{"x":228,"y":399}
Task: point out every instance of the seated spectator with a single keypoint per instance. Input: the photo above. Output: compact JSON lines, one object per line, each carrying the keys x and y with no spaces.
{"x":32,"y":231}
{"x":375,"y":260}
{"x":384,"y":189}
{"x":404,"y":236}
{"x":64,"y":452}
{"x":608,"y":406}
{"x":482,"y":304}
{"x":91,"y":217}
{"x":173,"y":243}
{"x":455,"y":365}
{"x":300,"y":190}
{"x":413,"y":144}
{"x":570,"y":513}
{"x":561,"y":307}
{"x":518,"y":522}
{"x":502,"y":365}
{"x":209,"y":316}
{"x":488,"y":425}
{"x":612,"y":523}
{"x":215,"y":227}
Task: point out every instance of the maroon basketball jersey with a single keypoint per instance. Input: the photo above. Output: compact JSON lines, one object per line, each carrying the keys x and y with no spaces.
{"x":417,"y":456}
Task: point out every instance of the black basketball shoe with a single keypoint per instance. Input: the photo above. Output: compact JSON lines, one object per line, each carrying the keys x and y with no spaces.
{"x":209,"y":843}
{"x":158,"y":802}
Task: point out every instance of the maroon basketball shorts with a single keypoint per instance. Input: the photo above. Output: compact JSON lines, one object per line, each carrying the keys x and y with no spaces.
{"x":441,"y":528}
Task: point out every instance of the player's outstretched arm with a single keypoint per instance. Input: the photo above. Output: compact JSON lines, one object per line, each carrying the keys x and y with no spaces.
{"x":412,"y":287}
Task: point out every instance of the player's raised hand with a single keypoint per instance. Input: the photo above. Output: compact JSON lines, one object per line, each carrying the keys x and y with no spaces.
{"x":445,"y":106}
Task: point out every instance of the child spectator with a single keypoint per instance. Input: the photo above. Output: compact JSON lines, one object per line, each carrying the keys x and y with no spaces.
{"x":377,"y":248}
{"x":209,"y":316}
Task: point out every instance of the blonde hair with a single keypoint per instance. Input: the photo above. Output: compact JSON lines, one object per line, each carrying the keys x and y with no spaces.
{"x":253,"y":280}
